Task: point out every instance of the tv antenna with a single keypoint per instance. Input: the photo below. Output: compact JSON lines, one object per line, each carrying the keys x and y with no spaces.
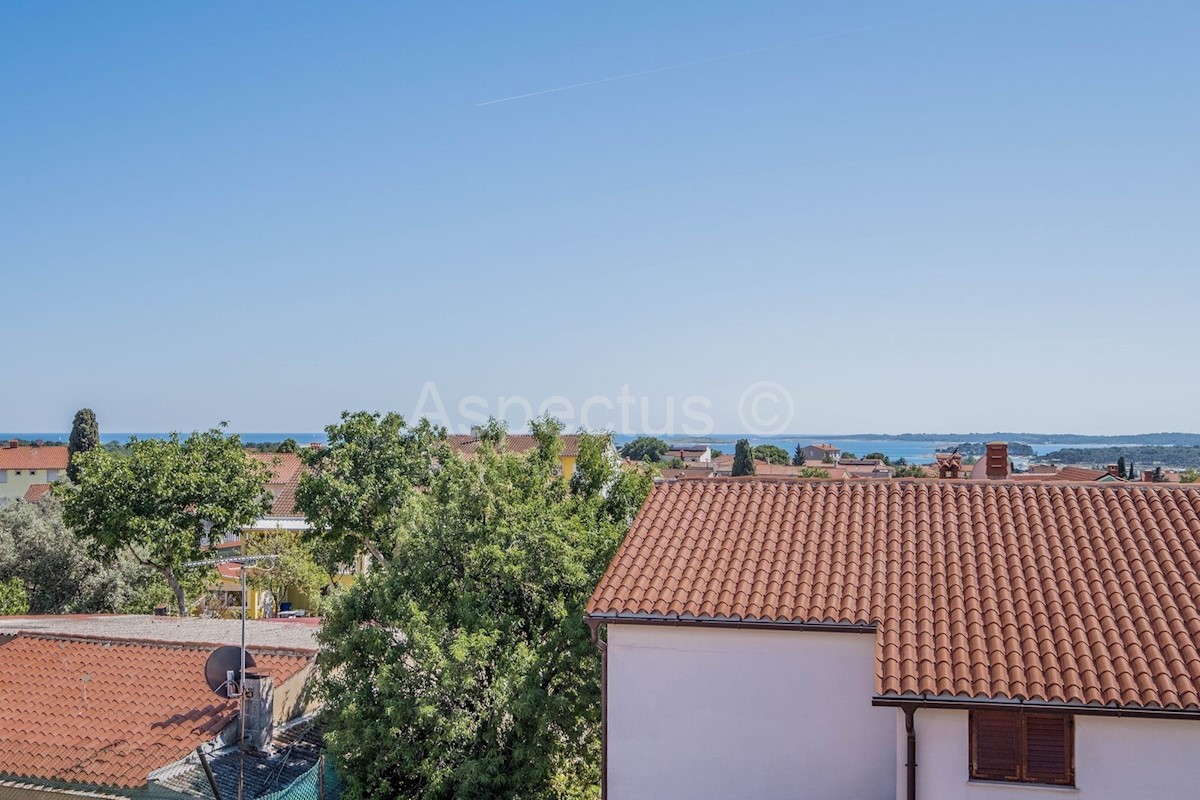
{"x":224,"y":658}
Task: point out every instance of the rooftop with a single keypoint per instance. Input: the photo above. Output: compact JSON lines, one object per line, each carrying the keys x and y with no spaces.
{"x":1057,"y":592}
{"x":288,"y":634}
{"x":47,"y":457}
{"x":467,"y":444}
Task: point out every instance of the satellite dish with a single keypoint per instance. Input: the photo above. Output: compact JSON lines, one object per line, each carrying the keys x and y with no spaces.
{"x":225,"y":664}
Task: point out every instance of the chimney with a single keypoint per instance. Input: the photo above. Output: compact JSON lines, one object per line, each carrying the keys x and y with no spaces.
{"x":314,"y":445}
{"x":1112,"y":470}
{"x":260,"y":712}
{"x":997,"y":460}
{"x":949,"y":466}
{"x":1147,"y":476}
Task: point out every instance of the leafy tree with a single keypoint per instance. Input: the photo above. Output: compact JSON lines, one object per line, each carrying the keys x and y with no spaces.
{"x":294,"y":566}
{"x":59,"y":575}
{"x":462,"y":668}
{"x":907,"y":471}
{"x":771,"y":454}
{"x":594,"y":467}
{"x":85,"y":436}
{"x":13,"y":599}
{"x":364,"y":483}
{"x":1189,"y":476}
{"x":798,"y":456}
{"x":743,"y":459}
{"x":288,"y":445}
{"x":848,"y":455}
{"x":813,"y":472}
{"x":1133,"y":475}
{"x":828,"y":459}
{"x":879,"y":456}
{"x":1158,"y":475}
{"x":645,"y":448}
{"x":1121,"y":472}
{"x":154,"y":502}
{"x":716,"y":451}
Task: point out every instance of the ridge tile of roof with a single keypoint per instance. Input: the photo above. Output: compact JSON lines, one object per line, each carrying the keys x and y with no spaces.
{"x":107,"y":712}
{"x":1055,"y":592}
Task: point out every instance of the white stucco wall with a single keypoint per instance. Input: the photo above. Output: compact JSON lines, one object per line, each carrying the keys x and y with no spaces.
{"x":1115,"y":759}
{"x":696,"y":713}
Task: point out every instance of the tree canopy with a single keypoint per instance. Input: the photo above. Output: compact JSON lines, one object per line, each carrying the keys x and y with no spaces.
{"x":85,"y":436}
{"x":798,"y":456}
{"x":743,"y":459}
{"x":645,"y":448}
{"x":462,"y":668}
{"x":770,"y":453}
{"x":363,"y":483}
{"x":154,"y":502}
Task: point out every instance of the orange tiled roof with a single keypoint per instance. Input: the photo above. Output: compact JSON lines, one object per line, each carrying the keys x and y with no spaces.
{"x":36,"y":492}
{"x":1076,"y":593}
{"x":1081,"y":474}
{"x":48,"y":457}
{"x":286,"y":470}
{"x":106,"y":712}
{"x":513,"y":443}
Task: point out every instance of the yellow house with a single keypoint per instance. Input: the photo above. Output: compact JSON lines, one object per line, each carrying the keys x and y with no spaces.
{"x":28,"y":470}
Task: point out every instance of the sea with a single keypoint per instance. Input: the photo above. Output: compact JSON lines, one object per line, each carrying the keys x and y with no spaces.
{"x":914,"y":452}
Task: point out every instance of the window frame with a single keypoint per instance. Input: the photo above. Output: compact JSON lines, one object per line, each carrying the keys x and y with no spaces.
{"x":1020,"y":773}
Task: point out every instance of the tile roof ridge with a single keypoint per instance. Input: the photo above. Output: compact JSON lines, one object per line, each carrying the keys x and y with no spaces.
{"x":95,"y":638}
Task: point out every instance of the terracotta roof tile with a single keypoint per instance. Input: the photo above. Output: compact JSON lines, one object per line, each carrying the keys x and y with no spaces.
{"x":105,"y":712}
{"x":286,"y":470}
{"x":47,"y":457}
{"x":36,"y":492}
{"x":1074,"y":593}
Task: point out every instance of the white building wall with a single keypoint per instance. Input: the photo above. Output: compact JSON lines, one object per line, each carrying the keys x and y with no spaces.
{"x":701,"y":712}
{"x":1115,"y":759}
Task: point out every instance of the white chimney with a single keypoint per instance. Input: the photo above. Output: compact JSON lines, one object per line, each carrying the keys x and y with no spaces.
{"x":259,"y":703}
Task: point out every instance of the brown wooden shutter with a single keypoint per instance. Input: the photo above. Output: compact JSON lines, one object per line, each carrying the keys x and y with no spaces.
{"x":995,"y":745}
{"x":1048,"y":757}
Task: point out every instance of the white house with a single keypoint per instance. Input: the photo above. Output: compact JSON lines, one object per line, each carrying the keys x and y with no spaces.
{"x":25,"y":470}
{"x":821,"y":452}
{"x":942,"y":639}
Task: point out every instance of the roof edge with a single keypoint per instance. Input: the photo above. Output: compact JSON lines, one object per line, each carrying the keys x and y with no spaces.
{"x":91,"y":638}
{"x":675,"y":620}
{"x":960,"y":703}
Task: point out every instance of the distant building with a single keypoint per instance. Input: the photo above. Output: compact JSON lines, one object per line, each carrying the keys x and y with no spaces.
{"x":694,"y":454}
{"x":23,"y":467}
{"x":820,"y":452}
{"x":523,"y":443}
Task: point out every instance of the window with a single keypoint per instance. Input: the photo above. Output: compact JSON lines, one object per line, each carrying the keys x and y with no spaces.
{"x":3,"y":476}
{"x":1017,"y":746}
{"x":51,"y":475}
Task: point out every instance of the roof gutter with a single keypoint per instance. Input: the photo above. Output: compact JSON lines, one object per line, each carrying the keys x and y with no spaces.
{"x":969,"y":703}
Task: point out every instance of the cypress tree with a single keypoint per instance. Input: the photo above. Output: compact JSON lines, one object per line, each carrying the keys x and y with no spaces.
{"x":1121,"y":473}
{"x":85,"y":436}
{"x":743,"y":459}
{"x":798,"y":456}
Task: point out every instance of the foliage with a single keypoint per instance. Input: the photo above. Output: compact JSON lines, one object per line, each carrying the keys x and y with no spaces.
{"x":645,"y":448}
{"x":908,"y":471}
{"x":743,"y":459}
{"x":1183,"y":456}
{"x":876,"y":455}
{"x":813,"y":472}
{"x":716,"y":452}
{"x":60,"y":576}
{"x":13,"y":598}
{"x":364,"y":483}
{"x":771,"y":454}
{"x":828,"y":459}
{"x":463,"y":668}
{"x":1189,"y":476}
{"x":798,"y":456}
{"x":849,"y":455}
{"x":1158,"y":475}
{"x":1121,"y":471}
{"x":296,"y":565}
{"x":85,"y":436}
{"x":594,"y":465}
{"x":153,"y":503}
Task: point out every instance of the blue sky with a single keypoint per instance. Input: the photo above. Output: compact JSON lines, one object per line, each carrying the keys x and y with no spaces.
{"x":920,"y":216}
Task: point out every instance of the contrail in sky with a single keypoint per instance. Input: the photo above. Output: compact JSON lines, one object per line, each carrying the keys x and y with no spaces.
{"x":711,"y":59}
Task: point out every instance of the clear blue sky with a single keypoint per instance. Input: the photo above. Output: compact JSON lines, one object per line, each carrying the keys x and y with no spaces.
{"x":919,"y":216}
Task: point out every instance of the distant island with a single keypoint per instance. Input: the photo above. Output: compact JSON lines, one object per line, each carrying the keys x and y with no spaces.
{"x":1161,"y":439}
{"x":979,"y":448}
{"x":1146,"y":456}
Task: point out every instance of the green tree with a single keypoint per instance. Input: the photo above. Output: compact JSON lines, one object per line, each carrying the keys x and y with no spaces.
{"x":363,"y":483}
{"x":771,"y":454}
{"x":798,"y":456}
{"x":85,"y":436}
{"x":1121,"y":472}
{"x":645,"y":448}
{"x":462,"y":668}
{"x":595,"y":469}
{"x":293,"y":567}
{"x":813,"y":472}
{"x":743,"y":459}
{"x":1158,"y":475}
{"x":288,"y":445}
{"x":848,"y":455}
{"x":908,"y":471}
{"x":154,"y":502}
{"x":1189,"y":476}
{"x":13,"y":599}
{"x":1133,"y":475}
{"x":879,"y":456}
